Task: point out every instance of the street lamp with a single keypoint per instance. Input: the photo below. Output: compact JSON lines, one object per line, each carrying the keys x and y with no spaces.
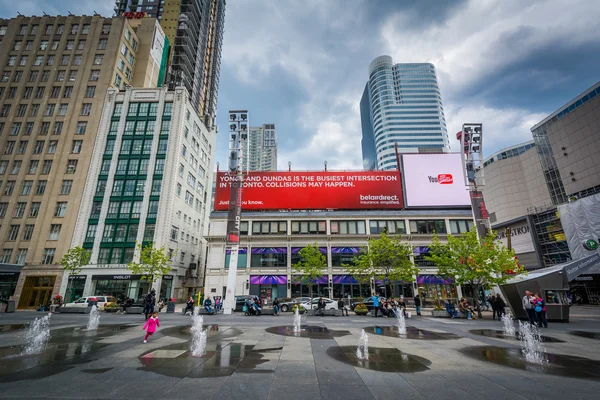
{"x":289,"y":166}
{"x":325,"y":166}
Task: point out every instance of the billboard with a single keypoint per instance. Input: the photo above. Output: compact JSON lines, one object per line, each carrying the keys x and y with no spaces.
{"x":434,"y":180}
{"x":313,"y":190}
{"x":158,"y":44}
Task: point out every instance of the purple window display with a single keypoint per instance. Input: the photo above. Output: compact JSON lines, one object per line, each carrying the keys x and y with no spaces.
{"x":345,"y":250}
{"x":269,"y":250}
{"x":296,"y":250}
{"x":268,"y":279}
{"x":434,"y":280}
{"x":242,"y":250}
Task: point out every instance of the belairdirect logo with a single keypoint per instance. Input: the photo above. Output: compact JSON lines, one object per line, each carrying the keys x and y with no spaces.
{"x":590,"y":245}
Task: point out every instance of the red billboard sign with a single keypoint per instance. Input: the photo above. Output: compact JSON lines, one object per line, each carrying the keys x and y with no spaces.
{"x":313,"y":190}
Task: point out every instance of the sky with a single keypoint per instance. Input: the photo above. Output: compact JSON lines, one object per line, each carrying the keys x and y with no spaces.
{"x":303,"y":65}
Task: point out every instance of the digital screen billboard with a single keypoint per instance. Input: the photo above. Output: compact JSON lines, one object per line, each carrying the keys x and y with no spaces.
{"x":434,"y":180}
{"x":313,"y":190}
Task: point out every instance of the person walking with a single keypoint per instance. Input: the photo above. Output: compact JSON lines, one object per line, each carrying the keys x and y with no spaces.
{"x":528,"y":307}
{"x":276,"y":306}
{"x":418,"y":304}
{"x":342,"y":306}
{"x":375,"y":299}
{"x":540,"y":310}
{"x":150,"y":326}
{"x":147,"y":310}
{"x":500,"y":306}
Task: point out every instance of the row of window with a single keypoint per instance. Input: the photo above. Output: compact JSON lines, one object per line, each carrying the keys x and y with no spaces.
{"x":6,"y":256}
{"x":13,"y":232}
{"x":49,"y":110}
{"x":61,"y":76}
{"x":60,"y":209}
{"x":38,"y":148}
{"x":71,"y":167}
{"x":67,"y":91}
{"x":59,"y":29}
{"x":27,"y":188}
{"x":356,"y":227}
{"x":129,"y":187}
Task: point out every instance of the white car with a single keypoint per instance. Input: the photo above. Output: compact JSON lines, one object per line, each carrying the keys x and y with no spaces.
{"x":83,"y":302}
{"x":329,"y":304}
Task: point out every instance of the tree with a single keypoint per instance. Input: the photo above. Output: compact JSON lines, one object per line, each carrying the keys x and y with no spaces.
{"x":384,"y":258}
{"x":73,"y":261}
{"x":312,"y":264}
{"x":154,"y":263}
{"x":471,"y":261}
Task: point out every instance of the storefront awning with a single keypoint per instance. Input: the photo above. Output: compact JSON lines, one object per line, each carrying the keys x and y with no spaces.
{"x":10,"y":269}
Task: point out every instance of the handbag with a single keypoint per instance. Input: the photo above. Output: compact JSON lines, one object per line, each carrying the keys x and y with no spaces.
{"x":538,"y":308}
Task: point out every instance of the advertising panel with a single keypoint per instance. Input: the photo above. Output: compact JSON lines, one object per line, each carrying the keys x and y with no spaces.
{"x":158,"y":44}
{"x":313,"y":190}
{"x":434,"y":180}
{"x":520,"y":237}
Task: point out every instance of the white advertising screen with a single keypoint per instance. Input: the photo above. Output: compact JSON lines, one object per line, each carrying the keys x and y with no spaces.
{"x":434,"y":180}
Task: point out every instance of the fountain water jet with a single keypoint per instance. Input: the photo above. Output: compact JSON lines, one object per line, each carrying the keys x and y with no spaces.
{"x":37,"y":336}
{"x":509,"y":327}
{"x":531,"y":344}
{"x":198,"y":346}
{"x":362,"y":350}
{"x":94,"y":320}
{"x":297,"y":321}
{"x":401,"y":323}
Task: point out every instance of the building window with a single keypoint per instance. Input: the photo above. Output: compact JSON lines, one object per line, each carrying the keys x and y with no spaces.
{"x":108,"y":233}
{"x":77,"y":145}
{"x":3,"y":166}
{"x":269,"y":257}
{"x":72,"y":75}
{"x":427,"y":226}
{"x":269,"y":228}
{"x":309,"y":227}
{"x":85,"y":29}
{"x":6,"y":254}
{"x":40,"y":187}
{"x":86,"y":109}
{"x":20,"y":209}
{"x":13,"y":232}
{"x":16,"y":167}
{"x":54,"y":231}
{"x":71,"y":166}
{"x":90,"y":91}
{"x":33,"y":165}
{"x":153,"y":209}
{"x":103,"y":256}
{"x":61,"y":209}
{"x":390,"y":227}
{"x":47,"y":166}
{"x":21,"y":256}
{"x":178,"y":189}
{"x":149,"y":232}
{"x":58,"y":125}
{"x":94,"y":75}
{"x":49,"y":110}
{"x":9,"y":188}
{"x":100,"y":188}
{"x":66,"y":186}
{"x":22,"y":147}
{"x":460,"y":225}
{"x":62,"y":110}
{"x":48,"y":256}
{"x":81,"y":128}
{"x":102,"y":44}
{"x":28,"y":232}
{"x":90,"y":234}
{"x":3,"y":208}
{"x":26,"y":188}
{"x":39,"y":92}
{"x":96,"y":208}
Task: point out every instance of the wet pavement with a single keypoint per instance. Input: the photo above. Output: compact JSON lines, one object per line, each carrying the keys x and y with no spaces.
{"x":411,"y":333}
{"x":262,"y":358}
{"x":587,"y":335}
{"x":500,"y":335}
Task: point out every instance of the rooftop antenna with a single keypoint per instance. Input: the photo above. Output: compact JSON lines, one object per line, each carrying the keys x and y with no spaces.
{"x":44,"y":12}
{"x":18,"y":13}
{"x":70,"y":13}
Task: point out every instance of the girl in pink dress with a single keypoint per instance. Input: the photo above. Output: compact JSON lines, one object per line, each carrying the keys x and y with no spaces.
{"x":151,"y":324}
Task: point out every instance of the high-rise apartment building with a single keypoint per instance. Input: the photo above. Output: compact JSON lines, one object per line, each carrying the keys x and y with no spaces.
{"x":401,"y":105}
{"x":195,"y":28}
{"x":148,"y":183}
{"x":54,"y":74}
{"x":259,"y":152}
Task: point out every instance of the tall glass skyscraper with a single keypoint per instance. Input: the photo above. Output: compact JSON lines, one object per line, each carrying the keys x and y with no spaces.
{"x":401,"y":105}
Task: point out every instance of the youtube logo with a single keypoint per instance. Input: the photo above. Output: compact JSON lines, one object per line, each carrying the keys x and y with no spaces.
{"x":445,"y":179}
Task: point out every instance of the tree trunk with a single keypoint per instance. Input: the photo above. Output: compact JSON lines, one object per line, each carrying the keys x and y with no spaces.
{"x":68,"y":291}
{"x":476,"y":301}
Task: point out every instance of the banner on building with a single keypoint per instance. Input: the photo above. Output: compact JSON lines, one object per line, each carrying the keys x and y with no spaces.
{"x":434,"y":180}
{"x":313,"y":190}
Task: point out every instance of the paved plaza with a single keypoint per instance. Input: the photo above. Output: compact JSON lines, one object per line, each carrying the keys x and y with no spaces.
{"x":262,"y":358}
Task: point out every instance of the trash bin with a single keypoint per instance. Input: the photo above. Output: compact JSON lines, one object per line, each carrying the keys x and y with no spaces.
{"x":170,"y":306}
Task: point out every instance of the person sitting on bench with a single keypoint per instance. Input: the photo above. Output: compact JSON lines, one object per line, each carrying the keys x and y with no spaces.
{"x":450,"y":309}
{"x":321,"y":306}
{"x":208,"y":305}
{"x":189,"y":306}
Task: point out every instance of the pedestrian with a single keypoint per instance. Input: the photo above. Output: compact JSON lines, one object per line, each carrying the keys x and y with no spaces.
{"x":342,"y":306}
{"x":540,"y":309}
{"x":528,"y":307}
{"x":276,"y":306}
{"x":402,"y":306}
{"x":375,"y":299}
{"x":147,"y":302}
{"x":418,"y":304}
{"x":217,"y":304}
{"x":500,"y":306}
{"x":150,"y":326}
{"x":152,"y":300}
{"x":492,"y":301}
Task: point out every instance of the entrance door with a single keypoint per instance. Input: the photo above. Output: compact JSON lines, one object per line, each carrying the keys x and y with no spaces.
{"x":37,"y":290}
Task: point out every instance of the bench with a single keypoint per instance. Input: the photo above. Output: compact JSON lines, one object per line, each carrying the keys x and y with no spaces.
{"x":326,"y":313}
{"x":73,"y":310}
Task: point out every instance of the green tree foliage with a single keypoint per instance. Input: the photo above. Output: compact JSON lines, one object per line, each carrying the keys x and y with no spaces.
{"x":384,"y":258}
{"x":471,"y":261}
{"x":312,"y":264}
{"x":154,"y":263}
{"x":73,"y":261}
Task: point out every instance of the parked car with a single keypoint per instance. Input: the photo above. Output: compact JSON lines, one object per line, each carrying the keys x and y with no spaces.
{"x":367,"y":301}
{"x":329,"y":304}
{"x":83,"y":302}
{"x":287,"y":305}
